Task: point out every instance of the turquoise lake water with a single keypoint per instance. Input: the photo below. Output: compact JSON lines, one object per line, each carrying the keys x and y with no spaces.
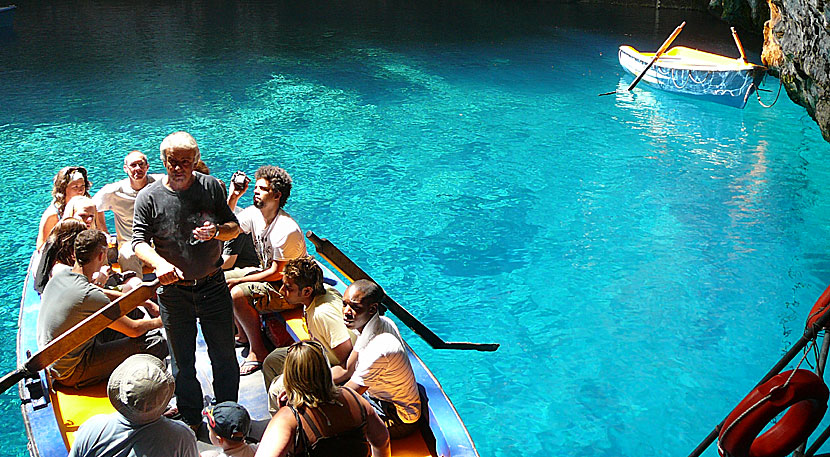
{"x":642,"y":258}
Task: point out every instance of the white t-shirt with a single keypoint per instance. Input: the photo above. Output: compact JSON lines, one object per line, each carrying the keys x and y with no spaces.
{"x":280,"y":240}
{"x":248,"y":450}
{"x":119,"y":197}
{"x":383,"y":367}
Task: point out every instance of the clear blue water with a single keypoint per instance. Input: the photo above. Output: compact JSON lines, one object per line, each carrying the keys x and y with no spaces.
{"x":642,"y":258}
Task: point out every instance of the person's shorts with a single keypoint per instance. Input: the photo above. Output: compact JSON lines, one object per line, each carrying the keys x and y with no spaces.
{"x":235,"y":273}
{"x":264,"y":296}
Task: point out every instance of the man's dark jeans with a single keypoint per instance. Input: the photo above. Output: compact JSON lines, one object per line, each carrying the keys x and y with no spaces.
{"x":210,"y":302}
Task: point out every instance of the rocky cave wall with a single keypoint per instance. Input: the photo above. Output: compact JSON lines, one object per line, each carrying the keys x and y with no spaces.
{"x":796,"y":46}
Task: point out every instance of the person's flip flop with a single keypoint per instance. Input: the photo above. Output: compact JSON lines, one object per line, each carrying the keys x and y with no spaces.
{"x":241,"y":344}
{"x":254,"y":364}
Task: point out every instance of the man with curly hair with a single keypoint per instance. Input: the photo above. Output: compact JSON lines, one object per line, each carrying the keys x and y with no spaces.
{"x":277,"y":238}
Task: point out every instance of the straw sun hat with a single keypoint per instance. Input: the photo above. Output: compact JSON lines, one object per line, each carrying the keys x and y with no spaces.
{"x":140,"y":388}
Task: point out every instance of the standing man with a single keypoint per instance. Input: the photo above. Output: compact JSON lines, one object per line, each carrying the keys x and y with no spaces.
{"x":119,"y":197}
{"x":277,"y":239}
{"x":186,"y":218}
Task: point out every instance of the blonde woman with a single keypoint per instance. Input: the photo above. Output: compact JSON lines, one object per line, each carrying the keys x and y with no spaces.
{"x":319,"y":418}
{"x":69,"y":182}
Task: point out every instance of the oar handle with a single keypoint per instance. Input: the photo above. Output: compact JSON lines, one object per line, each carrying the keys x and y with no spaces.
{"x":739,"y":44}
{"x":352,"y":272}
{"x":80,"y":333}
{"x":659,"y":53}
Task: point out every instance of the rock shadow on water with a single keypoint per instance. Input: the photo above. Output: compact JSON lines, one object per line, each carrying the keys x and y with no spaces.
{"x":485,"y":242}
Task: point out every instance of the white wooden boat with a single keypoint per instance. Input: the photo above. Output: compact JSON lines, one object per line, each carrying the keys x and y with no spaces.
{"x":697,"y":74}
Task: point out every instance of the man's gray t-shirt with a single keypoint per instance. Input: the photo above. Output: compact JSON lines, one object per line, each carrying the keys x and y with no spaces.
{"x":167,"y":219}
{"x":67,"y":299}
{"x":111,"y":435}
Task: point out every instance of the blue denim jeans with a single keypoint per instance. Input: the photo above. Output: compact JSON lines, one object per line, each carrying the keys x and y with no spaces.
{"x":210,"y":303}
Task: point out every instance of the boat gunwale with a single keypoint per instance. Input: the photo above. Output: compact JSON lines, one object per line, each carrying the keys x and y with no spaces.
{"x":678,"y":62}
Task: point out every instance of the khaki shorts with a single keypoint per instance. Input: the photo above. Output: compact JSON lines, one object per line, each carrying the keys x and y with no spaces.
{"x":264,"y":297}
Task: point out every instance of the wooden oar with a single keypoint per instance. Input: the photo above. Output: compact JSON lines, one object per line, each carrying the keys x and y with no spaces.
{"x":657,"y":55}
{"x":739,"y":44}
{"x":342,"y":263}
{"x":80,"y":333}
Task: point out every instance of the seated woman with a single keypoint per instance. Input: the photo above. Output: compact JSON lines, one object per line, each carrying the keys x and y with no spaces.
{"x":58,"y":251}
{"x":82,"y":207}
{"x":320,"y":418}
{"x":68,"y":183}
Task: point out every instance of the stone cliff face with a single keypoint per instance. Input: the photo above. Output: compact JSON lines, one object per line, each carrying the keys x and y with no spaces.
{"x":796,"y":46}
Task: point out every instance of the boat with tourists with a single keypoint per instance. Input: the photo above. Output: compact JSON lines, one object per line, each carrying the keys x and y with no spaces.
{"x":52,"y":413}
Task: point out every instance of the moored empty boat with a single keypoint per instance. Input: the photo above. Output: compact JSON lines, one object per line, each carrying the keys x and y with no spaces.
{"x":696,"y":73}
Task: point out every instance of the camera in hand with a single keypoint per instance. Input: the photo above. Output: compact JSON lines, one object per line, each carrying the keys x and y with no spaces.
{"x":240,"y":180}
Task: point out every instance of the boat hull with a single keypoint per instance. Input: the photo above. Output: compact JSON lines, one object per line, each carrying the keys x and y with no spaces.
{"x":52,"y":416}
{"x":696,"y":74}
{"x":7,"y":17}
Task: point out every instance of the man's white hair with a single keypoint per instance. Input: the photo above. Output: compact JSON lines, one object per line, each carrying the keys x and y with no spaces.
{"x":179,"y":140}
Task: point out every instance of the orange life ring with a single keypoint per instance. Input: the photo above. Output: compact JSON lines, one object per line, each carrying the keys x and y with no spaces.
{"x":819,"y":308}
{"x":805,"y":395}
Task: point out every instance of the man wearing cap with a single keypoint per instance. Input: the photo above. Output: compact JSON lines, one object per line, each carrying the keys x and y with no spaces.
{"x":119,"y":197}
{"x":139,"y":390}
{"x":228,"y":425}
{"x":185,"y":217}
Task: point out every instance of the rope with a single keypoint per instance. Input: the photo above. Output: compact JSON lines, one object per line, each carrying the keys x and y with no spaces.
{"x":758,"y":93}
{"x":761,"y":401}
{"x":705,"y":75}
{"x":681,"y":79}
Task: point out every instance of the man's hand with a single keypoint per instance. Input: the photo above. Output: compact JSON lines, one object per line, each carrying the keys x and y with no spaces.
{"x":207,"y":231}
{"x":152,"y":308}
{"x":99,"y":278}
{"x":232,"y":282}
{"x":167,"y":273}
{"x":236,"y":191}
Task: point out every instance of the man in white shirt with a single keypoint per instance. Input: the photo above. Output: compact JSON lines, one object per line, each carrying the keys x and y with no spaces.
{"x":378,"y":366}
{"x":119,"y":197}
{"x":277,"y":239}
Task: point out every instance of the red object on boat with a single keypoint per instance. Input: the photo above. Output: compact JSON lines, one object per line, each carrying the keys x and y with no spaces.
{"x":819,"y":308}
{"x":802,"y":391}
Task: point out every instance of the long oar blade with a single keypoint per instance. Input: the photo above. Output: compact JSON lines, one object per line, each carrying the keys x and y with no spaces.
{"x":662,"y":49}
{"x":80,"y":333}
{"x":347,"y":267}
